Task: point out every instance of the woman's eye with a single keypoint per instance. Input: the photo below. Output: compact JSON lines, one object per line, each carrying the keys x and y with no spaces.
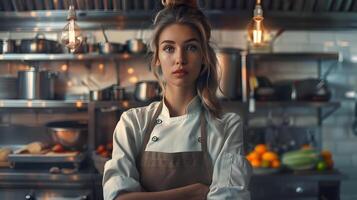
{"x":169,"y":49}
{"x":191,"y":47}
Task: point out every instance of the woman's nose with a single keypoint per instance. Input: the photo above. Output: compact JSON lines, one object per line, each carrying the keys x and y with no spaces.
{"x":181,"y":57}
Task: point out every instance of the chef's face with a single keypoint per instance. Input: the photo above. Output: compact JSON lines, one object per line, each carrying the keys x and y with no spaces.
{"x":180,"y":55}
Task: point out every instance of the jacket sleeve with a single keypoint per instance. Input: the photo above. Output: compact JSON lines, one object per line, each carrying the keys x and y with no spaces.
{"x":120,"y":173}
{"x":231,"y":173}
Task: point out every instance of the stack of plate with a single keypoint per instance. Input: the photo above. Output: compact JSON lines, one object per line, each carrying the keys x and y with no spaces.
{"x":8,"y":87}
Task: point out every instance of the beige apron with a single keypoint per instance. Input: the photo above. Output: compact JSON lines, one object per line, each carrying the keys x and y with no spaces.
{"x":162,"y":171}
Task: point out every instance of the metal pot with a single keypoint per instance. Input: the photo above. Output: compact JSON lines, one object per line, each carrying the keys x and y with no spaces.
{"x":136,"y":46}
{"x":147,"y":91}
{"x":7,"y":46}
{"x":110,"y":47}
{"x":40,"y":45}
{"x":229,"y":72}
{"x":117,"y":93}
{"x":70,"y":134}
{"x":34,"y":84}
{"x":99,"y":95}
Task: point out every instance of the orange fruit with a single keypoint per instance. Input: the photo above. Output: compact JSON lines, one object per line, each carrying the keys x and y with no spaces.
{"x":255,"y":163}
{"x":253,"y":156}
{"x":270,"y":156}
{"x":275,"y":164}
{"x":260,"y":148}
{"x":326,"y":155}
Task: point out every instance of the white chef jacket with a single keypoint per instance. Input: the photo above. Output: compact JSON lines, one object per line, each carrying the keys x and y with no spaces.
{"x":231,"y":172}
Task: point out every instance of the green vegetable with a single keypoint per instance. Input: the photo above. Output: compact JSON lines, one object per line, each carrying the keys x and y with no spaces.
{"x":300,"y":159}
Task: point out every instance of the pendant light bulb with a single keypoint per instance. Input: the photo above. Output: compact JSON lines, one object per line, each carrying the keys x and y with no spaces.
{"x":256,"y":28}
{"x":71,"y":34}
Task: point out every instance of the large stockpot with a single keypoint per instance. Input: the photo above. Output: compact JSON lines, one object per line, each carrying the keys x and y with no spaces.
{"x":229,"y":73}
{"x":70,"y":134}
{"x":35,"y":84}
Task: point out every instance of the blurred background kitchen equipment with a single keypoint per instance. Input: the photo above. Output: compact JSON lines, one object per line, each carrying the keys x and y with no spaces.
{"x":40,"y":45}
{"x":303,"y":90}
{"x":35,"y":84}
{"x":7,"y":46}
{"x":147,"y":91}
{"x":110,"y":47}
{"x":136,"y":46}
{"x":354,"y":124}
{"x":229,"y":72}
{"x":70,"y":134}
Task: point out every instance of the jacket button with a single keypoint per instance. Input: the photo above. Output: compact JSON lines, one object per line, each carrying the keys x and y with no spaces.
{"x":154,"y":139}
{"x":158,"y":121}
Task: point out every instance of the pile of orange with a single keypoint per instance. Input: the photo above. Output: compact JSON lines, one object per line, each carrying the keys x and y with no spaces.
{"x":262,"y":157}
{"x":327,"y":158}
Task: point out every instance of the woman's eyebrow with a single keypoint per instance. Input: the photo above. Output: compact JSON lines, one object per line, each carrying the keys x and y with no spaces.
{"x":186,"y":41}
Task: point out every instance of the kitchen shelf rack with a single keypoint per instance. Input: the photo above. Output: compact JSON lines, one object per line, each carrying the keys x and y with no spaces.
{"x":54,"y":57}
{"x":281,"y":56}
{"x":42,"y":104}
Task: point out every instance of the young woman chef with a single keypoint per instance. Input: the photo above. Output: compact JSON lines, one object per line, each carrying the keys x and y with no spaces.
{"x":182,"y":147}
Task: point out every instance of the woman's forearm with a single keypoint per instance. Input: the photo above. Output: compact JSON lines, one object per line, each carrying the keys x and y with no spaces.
{"x":196,"y":191}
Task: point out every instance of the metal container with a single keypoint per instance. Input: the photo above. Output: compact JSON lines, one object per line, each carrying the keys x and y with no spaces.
{"x":229,"y":73}
{"x":70,"y":134}
{"x":7,"y":46}
{"x":136,"y":46}
{"x":34,"y":84}
{"x":147,"y":91}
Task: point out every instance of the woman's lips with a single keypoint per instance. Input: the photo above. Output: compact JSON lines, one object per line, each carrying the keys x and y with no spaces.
{"x":180,"y":73}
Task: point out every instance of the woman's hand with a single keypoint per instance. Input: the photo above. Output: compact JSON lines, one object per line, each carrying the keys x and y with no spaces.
{"x":200,"y":191}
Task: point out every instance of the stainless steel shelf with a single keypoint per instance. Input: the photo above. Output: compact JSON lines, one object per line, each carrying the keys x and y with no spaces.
{"x":44,"y":104}
{"x":298,"y":56}
{"x":90,"y":56}
{"x":284,"y":104}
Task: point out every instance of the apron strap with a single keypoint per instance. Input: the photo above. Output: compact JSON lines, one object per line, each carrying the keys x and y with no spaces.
{"x":204,"y":146}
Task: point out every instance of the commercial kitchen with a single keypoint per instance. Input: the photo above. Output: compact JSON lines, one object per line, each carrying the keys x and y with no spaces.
{"x":70,"y":68}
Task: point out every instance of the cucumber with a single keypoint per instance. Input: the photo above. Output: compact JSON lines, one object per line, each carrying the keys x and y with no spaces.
{"x":300,"y":159}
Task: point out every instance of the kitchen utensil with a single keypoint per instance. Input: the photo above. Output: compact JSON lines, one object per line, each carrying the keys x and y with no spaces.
{"x":136,"y":46}
{"x":7,"y":46}
{"x":312,"y":90}
{"x":35,"y":84}
{"x":39,"y":4}
{"x":117,"y":93}
{"x":110,"y":47}
{"x":229,"y":70}
{"x":147,"y":91}
{"x":40,"y":45}
{"x":70,"y":134}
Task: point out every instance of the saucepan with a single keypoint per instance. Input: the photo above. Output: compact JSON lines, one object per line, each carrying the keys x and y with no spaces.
{"x":147,"y":91}
{"x":7,"y":46}
{"x":110,"y":47}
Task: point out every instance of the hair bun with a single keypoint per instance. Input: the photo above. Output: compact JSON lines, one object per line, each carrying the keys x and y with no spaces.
{"x":174,"y":3}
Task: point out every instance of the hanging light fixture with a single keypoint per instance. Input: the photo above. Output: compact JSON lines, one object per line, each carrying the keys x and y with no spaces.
{"x":71,"y":34}
{"x":256,"y":30}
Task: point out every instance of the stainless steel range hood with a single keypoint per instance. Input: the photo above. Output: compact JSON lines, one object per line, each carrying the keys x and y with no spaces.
{"x":50,"y":15}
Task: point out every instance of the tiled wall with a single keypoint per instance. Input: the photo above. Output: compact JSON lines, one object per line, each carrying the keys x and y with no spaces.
{"x":337,"y":135}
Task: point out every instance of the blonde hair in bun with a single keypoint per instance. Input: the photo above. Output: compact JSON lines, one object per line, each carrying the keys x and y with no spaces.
{"x":186,"y":12}
{"x":174,"y":3}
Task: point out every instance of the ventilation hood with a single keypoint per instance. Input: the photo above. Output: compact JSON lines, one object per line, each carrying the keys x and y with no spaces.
{"x":48,"y":15}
